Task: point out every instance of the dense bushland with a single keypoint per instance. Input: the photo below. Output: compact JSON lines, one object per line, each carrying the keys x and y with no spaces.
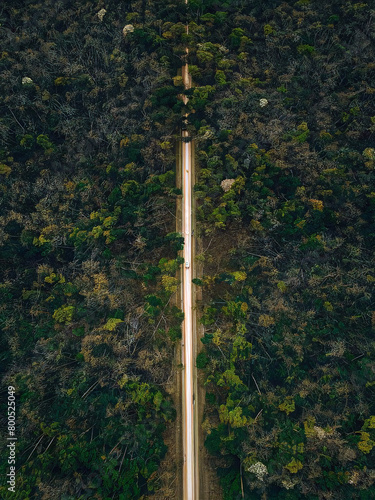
{"x":284,"y":107}
{"x":88,"y":244}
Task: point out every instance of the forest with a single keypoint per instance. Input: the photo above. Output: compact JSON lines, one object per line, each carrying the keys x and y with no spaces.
{"x":89,"y":250}
{"x":287,"y":115}
{"x":282,"y":114}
